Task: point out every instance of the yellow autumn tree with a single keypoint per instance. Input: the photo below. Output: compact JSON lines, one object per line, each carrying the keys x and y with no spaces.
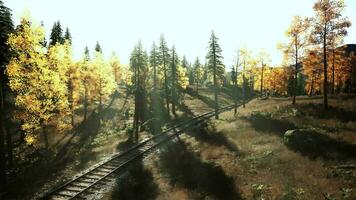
{"x":116,"y":67}
{"x":297,"y":35}
{"x":312,"y":68}
{"x":40,"y":93}
{"x":103,"y":78}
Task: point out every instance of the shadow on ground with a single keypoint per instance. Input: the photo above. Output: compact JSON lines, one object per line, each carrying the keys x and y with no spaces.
{"x":137,"y":183}
{"x":208,"y":134}
{"x":311,"y":143}
{"x":185,"y":169}
{"x":264,"y":122}
{"x":317,"y":110}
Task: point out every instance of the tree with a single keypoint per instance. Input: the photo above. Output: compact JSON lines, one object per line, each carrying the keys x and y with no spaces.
{"x":98,"y":47}
{"x":103,"y":78}
{"x":312,"y":67}
{"x":163,"y":61}
{"x":6,"y":27}
{"x":56,"y":34}
{"x":234,"y":80}
{"x":59,"y":59}
{"x":41,"y":95}
{"x":116,"y":67}
{"x":86,"y":80}
{"x":185,"y":63}
{"x":198,"y":73}
{"x":327,"y":24}
{"x":263,"y":58}
{"x":154,"y":62}
{"x":297,"y":35}
{"x":244,"y":57}
{"x":174,"y":79}
{"x":138,"y":64}
{"x":215,"y":66}
{"x":68,"y":36}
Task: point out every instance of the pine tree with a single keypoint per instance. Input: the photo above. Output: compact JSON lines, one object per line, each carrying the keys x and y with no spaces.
{"x":98,"y":47}
{"x":198,"y":73}
{"x":174,"y":63}
{"x":216,"y":67}
{"x":164,"y":62}
{"x":138,"y":64}
{"x":56,"y":34}
{"x":6,"y":27}
{"x":185,"y":63}
{"x":68,"y":36}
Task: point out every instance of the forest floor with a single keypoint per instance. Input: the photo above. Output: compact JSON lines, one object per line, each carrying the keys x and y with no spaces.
{"x":246,"y":156}
{"x":241,"y":156}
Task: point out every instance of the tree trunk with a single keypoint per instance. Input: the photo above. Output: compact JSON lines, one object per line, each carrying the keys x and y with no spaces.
{"x":333,"y":76}
{"x":312,"y":86}
{"x":325,"y":71}
{"x":174,"y":95}
{"x":235,"y":91}
{"x":165,"y":81}
{"x":215,"y":83}
{"x":197,"y":86}
{"x":45,"y":137}
{"x":243,"y":85}
{"x":100,"y":96}
{"x":85,"y":102}
{"x":10,"y":157}
{"x":2,"y":145}
{"x":262,"y":79}
{"x":295,"y":75}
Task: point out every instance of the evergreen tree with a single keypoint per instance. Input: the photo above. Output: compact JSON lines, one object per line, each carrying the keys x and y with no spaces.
{"x":154,"y":62}
{"x":198,"y":73}
{"x":164,"y":61}
{"x":56,"y":34}
{"x":6,"y":27}
{"x":98,"y":48}
{"x":174,"y":63}
{"x":185,"y":63}
{"x":68,"y":36}
{"x":138,"y":64}
{"x":215,"y":67}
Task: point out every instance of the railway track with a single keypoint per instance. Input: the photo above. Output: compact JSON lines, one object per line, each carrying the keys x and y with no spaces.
{"x":106,"y":171}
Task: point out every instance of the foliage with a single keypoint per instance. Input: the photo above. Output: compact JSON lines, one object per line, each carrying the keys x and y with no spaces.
{"x":40,"y":91}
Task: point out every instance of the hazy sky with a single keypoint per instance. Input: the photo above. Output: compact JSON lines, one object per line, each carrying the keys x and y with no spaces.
{"x":187,"y":24}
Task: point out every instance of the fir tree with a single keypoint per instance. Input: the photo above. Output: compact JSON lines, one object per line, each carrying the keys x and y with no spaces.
{"x":215,"y":67}
{"x":68,"y":36}
{"x":56,"y":34}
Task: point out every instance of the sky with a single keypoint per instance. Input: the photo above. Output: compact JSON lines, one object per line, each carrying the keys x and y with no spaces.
{"x":118,"y":25}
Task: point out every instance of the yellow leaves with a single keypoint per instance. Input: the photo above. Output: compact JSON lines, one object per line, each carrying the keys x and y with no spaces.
{"x":39,"y":88}
{"x":127,"y":76}
{"x":182,"y":78}
{"x":30,"y":139}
